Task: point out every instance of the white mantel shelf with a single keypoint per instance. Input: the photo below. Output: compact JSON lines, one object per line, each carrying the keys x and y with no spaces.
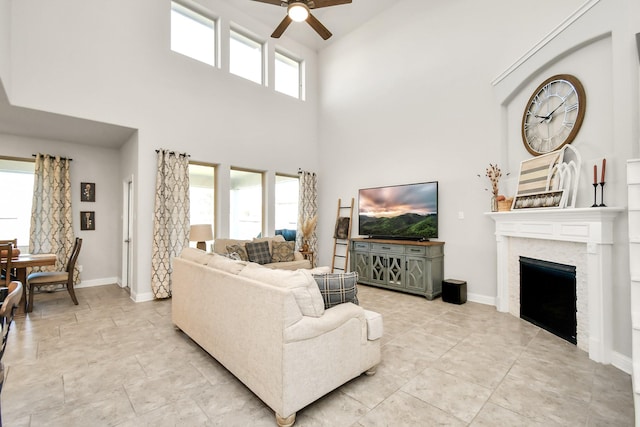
{"x":591,"y":226}
{"x":585,"y":225}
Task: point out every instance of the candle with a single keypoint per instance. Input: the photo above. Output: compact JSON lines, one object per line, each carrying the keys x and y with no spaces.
{"x":604,"y":165}
{"x":595,"y":174}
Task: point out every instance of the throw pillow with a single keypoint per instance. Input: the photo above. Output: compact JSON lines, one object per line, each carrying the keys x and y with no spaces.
{"x":304,"y":288}
{"x":258,"y":252}
{"x":238,"y":249}
{"x":282,"y":251}
{"x":225,"y":264}
{"x":337,"y":288}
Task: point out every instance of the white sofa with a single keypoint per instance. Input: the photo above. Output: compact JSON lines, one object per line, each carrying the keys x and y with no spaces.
{"x":258,"y":331}
{"x":220,"y":247}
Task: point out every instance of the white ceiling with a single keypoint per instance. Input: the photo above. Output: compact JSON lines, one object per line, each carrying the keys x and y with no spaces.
{"x":340,"y":20}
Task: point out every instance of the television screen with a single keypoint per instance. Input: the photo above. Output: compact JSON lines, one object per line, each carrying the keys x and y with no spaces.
{"x":407,"y":211}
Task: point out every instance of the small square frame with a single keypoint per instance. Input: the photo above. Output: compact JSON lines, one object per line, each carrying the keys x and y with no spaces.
{"x":87,"y":220}
{"x":87,"y":191}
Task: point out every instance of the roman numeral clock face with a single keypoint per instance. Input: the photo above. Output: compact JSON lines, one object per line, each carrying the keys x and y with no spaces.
{"x":553,"y":115}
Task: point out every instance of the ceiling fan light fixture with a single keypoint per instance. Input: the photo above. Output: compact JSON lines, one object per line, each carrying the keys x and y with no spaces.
{"x":298,"y":12}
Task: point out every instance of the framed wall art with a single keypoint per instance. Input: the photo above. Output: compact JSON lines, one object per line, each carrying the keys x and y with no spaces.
{"x":87,"y":191}
{"x":87,"y":220}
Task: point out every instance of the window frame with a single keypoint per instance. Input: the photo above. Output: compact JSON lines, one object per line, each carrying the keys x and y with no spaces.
{"x":31,"y":161}
{"x":247,"y":38}
{"x":287,"y":57}
{"x":216,"y":214}
{"x":202,"y":16}
{"x":262,"y":195}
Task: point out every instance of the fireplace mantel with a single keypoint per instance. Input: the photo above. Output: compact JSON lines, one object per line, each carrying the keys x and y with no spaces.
{"x":591,"y":226}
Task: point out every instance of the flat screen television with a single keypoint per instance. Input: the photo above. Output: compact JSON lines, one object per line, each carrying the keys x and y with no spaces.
{"x":401,"y":212}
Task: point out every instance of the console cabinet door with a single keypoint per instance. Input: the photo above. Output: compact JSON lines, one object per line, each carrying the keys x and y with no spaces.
{"x":360,"y":265}
{"x":416,"y":274}
{"x":387,"y":270}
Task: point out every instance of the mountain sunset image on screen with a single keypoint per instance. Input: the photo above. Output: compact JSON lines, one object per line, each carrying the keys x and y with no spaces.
{"x":401,"y":211}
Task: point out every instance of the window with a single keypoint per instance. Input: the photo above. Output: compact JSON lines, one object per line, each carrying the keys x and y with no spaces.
{"x":15,"y":217}
{"x":193,"y":34}
{"x":245,"y":57}
{"x":287,"y":188}
{"x":287,"y":75}
{"x":202,"y":195}
{"x":245,"y":210}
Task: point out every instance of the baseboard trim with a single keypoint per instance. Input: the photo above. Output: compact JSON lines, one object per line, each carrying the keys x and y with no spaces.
{"x":481,"y":299}
{"x":622,"y":362}
{"x":142,"y":297}
{"x":97,"y":282}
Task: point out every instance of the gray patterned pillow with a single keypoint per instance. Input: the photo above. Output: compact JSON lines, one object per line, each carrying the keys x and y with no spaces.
{"x":338,"y":288}
{"x":282,"y":251}
{"x":239,"y":250}
{"x":258,"y":252}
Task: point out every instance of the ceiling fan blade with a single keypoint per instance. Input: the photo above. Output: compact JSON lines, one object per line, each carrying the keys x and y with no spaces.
{"x":276,"y":2}
{"x":281,"y":27}
{"x":317,"y":25}
{"x":327,"y":3}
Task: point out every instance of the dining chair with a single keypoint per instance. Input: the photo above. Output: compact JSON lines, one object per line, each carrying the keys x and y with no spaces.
{"x":7,"y":311}
{"x":14,"y":243}
{"x":43,"y":278}
{"x":5,"y":255}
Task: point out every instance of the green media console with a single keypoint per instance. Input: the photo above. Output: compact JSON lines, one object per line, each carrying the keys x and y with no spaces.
{"x":401,"y":265}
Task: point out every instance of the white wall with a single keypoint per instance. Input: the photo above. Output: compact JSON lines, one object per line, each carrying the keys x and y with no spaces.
{"x":410,"y":97}
{"x":99,"y":253}
{"x":111,"y":62}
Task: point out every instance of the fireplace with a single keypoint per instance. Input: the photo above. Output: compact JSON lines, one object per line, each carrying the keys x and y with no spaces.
{"x":548,"y":296}
{"x":580,"y":237}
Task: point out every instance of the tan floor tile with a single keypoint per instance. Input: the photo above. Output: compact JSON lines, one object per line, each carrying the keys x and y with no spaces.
{"x":110,"y":361}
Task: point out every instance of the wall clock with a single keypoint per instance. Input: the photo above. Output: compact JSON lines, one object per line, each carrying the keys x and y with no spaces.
{"x":554,"y":114}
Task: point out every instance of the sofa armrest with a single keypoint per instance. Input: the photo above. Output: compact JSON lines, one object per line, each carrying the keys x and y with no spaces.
{"x":311,"y":327}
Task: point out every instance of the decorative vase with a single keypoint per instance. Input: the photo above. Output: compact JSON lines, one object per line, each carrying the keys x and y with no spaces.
{"x":305,"y":246}
{"x":494,"y":204}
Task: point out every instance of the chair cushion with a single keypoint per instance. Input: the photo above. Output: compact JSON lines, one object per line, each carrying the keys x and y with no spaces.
{"x":47,"y":277}
{"x":258,"y":252}
{"x":337,"y":288}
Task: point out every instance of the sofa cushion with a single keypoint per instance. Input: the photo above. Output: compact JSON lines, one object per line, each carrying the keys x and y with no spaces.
{"x":258,"y":252}
{"x":305,"y":290}
{"x":226,"y":264}
{"x":195,"y":255}
{"x":237,"y":251}
{"x":337,"y":288}
{"x":282,"y":251}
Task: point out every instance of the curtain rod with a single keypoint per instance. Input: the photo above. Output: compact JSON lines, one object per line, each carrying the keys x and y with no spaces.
{"x":180,"y":154}
{"x":61,"y":158}
{"x":300,"y":172}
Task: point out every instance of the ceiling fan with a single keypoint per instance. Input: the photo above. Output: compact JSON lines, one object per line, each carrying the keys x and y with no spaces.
{"x":300,"y":10}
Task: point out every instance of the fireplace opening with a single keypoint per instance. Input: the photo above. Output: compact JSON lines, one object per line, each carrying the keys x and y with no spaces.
{"x":548,"y":296}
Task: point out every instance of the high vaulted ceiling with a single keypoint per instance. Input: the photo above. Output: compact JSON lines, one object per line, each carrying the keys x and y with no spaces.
{"x":340,"y":20}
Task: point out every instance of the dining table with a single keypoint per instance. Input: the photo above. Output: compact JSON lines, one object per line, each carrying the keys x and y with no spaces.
{"x":21,"y":263}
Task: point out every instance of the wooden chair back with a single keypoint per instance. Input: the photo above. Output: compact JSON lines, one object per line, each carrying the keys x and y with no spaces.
{"x":6,"y":251}
{"x":7,"y":311}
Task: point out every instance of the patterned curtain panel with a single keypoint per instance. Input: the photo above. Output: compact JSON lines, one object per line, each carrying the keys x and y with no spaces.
{"x":171,"y":218}
{"x":51,"y":216}
{"x":308,"y":211}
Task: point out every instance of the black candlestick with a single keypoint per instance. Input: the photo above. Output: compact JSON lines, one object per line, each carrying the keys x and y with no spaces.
{"x":602,"y":195}
{"x":595,"y":194}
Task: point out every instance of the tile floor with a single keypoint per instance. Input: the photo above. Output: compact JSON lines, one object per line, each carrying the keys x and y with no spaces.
{"x":111,"y":362}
